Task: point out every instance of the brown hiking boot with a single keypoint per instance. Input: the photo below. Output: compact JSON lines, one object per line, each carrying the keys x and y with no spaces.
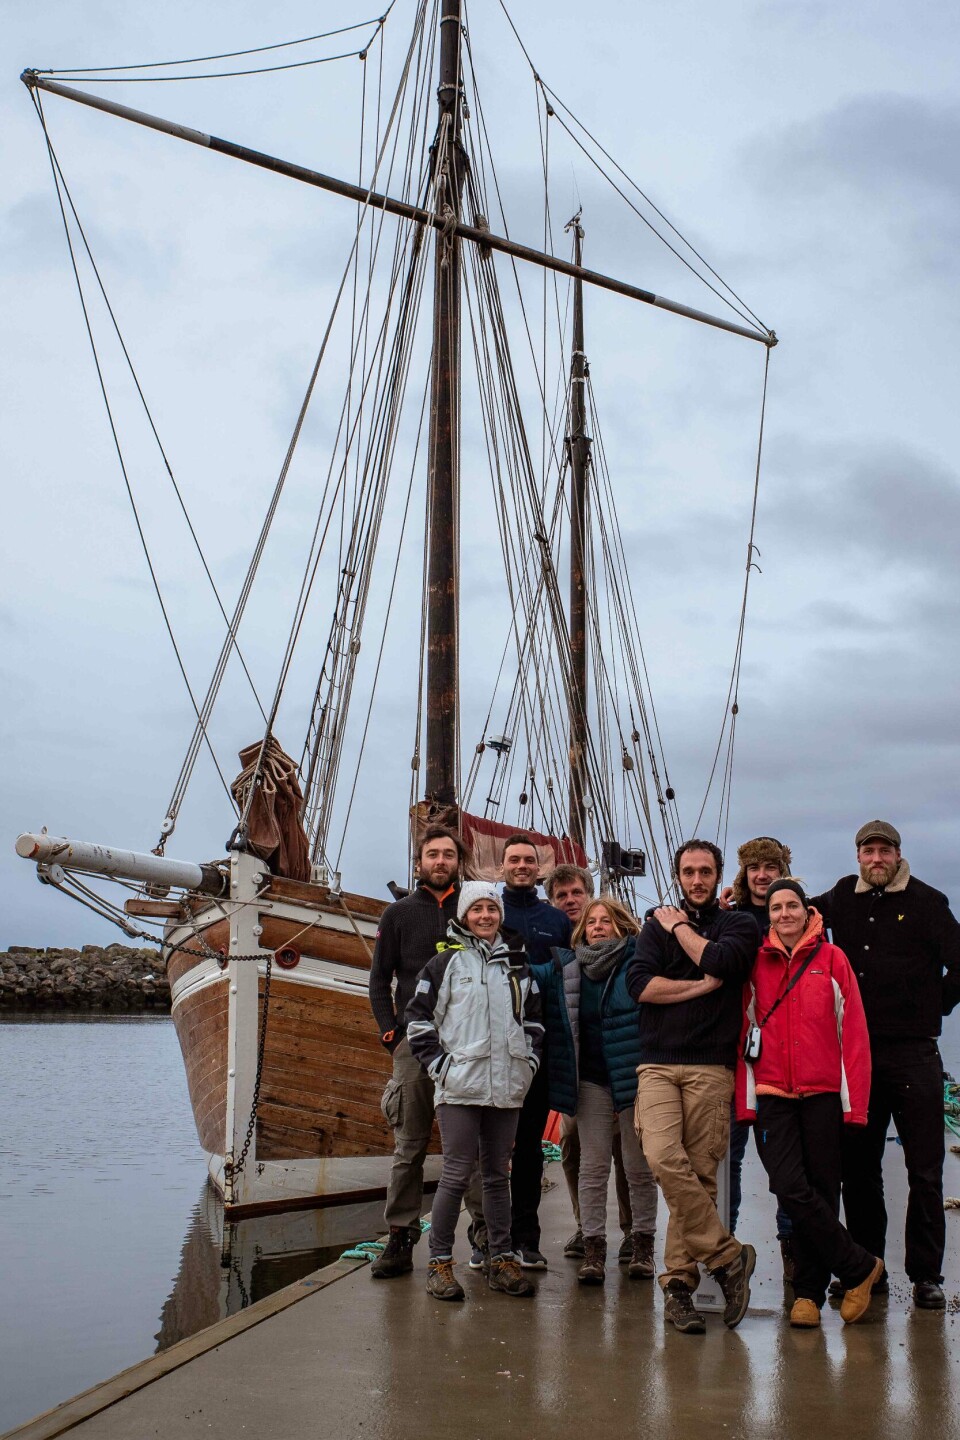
{"x":856,"y":1302}
{"x":805,"y":1315}
{"x":397,"y":1257}
{"x":678,"y":1307}
{"x":734,"y":1282}
{"x":641,"y":1265}
{"x":505,"y":1274}
{"x":593,"y":1269}
{"x":442,"y":1284}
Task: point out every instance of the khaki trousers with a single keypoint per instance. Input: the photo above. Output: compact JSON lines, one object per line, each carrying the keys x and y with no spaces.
{"x":682,"y":1116}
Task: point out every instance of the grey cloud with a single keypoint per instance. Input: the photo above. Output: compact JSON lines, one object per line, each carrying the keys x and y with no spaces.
{"x":878,"y":508}
{"x":895,"y":156}
{"x":874,"y":143}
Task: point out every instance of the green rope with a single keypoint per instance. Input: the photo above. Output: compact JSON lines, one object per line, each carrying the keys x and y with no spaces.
{"x":370,"y":1249}
{"x":550,"y":1152}
{"x":951,"y":1107}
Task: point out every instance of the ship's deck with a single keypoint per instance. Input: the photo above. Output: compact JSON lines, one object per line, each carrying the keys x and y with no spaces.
{"x":358,"y":1358}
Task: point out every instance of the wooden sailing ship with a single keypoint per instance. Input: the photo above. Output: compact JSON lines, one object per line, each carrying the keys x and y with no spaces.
{"x":267,"y":954}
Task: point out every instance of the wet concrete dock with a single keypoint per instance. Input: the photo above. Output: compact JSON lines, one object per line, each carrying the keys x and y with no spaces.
{"x":357,"y":1358}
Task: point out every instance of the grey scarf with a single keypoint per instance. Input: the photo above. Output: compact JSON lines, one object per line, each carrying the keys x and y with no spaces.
{"x":599,"y":961}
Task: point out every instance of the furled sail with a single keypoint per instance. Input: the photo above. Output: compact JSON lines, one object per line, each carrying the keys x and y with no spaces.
{"x":273,"y":827}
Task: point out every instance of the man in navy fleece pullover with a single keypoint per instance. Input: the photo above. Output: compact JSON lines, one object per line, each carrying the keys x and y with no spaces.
{"x":542,"y":927}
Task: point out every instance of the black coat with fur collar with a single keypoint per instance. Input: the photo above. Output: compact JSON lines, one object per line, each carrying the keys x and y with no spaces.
{"x":904,"y":946}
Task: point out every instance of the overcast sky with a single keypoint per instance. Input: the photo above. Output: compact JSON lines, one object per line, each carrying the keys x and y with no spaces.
{"x":810,"y":150}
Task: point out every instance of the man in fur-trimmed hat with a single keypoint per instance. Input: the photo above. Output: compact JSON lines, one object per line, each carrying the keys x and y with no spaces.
{"x":762,"y":860}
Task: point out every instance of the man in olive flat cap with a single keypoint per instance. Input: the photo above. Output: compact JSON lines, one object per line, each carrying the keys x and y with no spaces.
{"x":904,"y":945}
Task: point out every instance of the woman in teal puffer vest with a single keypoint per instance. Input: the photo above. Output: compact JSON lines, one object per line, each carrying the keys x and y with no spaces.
{"x":593,"y":1043}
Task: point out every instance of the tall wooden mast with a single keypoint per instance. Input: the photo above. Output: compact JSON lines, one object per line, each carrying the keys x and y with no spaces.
{"x":578,"y":445}
{"x":442,"y":727}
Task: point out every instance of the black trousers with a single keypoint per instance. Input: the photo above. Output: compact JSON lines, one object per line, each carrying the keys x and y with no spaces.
{"x":907,"y":1087}
{"x":526,"y":1175}
{"x":800,"y":1144}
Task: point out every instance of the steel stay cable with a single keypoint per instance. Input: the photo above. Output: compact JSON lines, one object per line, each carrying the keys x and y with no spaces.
{"x":119,"y":450}
{"x":150,"y":421}
{"x":281,"y":480}
{"x":733,"y":688}
{"x":315,"y":733}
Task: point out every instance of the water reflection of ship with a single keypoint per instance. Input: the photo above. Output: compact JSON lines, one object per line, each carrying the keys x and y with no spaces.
{"x":225,"y":1266}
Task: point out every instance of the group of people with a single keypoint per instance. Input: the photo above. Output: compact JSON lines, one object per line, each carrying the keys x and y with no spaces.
{"x":662,"y":1045}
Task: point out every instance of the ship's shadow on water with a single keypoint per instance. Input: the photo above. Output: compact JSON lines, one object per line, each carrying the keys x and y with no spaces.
{"x":224,"y":1267}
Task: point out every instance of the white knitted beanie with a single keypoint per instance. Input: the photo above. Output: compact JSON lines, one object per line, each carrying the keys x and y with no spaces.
{"x":473,"y":890}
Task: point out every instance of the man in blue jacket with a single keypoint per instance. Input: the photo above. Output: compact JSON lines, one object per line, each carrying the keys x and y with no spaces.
{"x":541,"y":927}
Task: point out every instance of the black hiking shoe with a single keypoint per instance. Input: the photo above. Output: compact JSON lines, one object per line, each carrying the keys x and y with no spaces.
{"x":505,"y":1274}
{"x":573,"y":1250}
{"x":625,"y":1253}
{"x":678,"y":1307}
{"x":593,"y":1271}
{"x":789,"y":1260}
{"x":641,"y":1266}
{"x":734,"y":1281}
{"x":397,"y":1257}
{"x":442,"y":1284}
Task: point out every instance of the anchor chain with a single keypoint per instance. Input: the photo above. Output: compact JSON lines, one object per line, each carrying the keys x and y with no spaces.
{"x":232,"y":1169}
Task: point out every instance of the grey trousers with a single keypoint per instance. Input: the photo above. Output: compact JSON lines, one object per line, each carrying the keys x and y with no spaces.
{"x":570,"y":1161}
{"x":464,"y":1129}
{"x":595,"y":1122}
{"x":411,"y":1106}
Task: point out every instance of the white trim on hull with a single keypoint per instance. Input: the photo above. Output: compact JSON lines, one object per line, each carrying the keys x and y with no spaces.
{"x":311,"y":972}
{"x":279,"y":1182}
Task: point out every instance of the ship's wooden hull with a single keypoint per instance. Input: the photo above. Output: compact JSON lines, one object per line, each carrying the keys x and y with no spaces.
{"x":324,"y":1068}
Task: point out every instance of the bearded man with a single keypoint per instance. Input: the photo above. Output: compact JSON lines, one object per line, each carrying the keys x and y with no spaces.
{"x":904,"y":945}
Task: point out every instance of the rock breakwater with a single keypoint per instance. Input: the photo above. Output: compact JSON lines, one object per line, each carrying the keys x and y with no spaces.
{"x":114,"y":977}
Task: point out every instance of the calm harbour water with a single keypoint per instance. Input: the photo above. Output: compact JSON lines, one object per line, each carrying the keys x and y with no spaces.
{"x":112,"y":1242}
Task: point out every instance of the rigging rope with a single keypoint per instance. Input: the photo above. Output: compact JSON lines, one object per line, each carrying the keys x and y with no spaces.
{"x":735,"y":303}
{"x":226,"y":54}
{"x":731,"y":707}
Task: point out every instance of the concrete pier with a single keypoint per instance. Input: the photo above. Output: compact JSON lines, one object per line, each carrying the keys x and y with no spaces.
{"x":341,"y":1355}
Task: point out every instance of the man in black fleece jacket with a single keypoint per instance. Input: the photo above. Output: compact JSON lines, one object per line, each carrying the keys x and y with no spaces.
{"x":409,"y":933}
{"x":688,"y":974}
{"x":904,"y":946}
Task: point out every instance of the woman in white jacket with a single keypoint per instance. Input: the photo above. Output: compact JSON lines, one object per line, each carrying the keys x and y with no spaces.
{"x":474,"y":1025}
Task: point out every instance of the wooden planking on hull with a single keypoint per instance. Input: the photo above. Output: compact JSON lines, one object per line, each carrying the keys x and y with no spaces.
{"x":201,"y":1024}
{"x":319,"y":1134}
{"x":323,"y":1074}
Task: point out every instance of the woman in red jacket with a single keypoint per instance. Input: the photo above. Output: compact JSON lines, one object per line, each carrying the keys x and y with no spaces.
{"x":804,"y":1073}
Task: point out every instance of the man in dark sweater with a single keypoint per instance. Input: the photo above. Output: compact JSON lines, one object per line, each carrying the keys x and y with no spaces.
{"x":688,"y":974}
{"x":904,"y":945}
{"x":542,"y":927}
{"x":410,"y":930}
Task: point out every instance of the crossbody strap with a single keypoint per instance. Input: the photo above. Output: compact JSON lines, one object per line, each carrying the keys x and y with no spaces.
{"x":780,"y":998}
